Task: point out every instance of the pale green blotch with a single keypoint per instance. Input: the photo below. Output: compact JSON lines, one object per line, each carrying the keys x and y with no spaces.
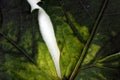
{"x":83,"y":30}
{"x":92,"y":78}
{"x":9,"y":34}
{"x":91,"y":53}
{"x":44,"y":61}
{"x":10,"y":29}
{"x":70,"y":48}
{"x":100,"y":75}
{"x":20,"y":70}
{"x":113,"y":33}
{"x":115,"y":64}
{"x":26,"y":41}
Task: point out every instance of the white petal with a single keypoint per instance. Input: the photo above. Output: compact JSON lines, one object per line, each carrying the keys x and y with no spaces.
{"x":46,"y":29}
{"x":33,"y":4}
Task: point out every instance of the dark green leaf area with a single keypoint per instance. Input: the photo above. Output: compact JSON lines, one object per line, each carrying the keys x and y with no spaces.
{"x":95,"y":73}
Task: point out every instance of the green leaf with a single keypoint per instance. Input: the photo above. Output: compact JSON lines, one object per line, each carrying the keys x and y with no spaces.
{"x":85,"y":34}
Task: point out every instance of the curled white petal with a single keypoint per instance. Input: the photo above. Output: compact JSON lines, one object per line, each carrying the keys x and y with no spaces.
{"x":47,"y":31}
{"x":33,"y":4}
{"x":48,"y":35}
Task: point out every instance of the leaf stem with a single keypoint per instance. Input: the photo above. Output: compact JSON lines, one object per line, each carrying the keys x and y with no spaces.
{"x":83,"y":54}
